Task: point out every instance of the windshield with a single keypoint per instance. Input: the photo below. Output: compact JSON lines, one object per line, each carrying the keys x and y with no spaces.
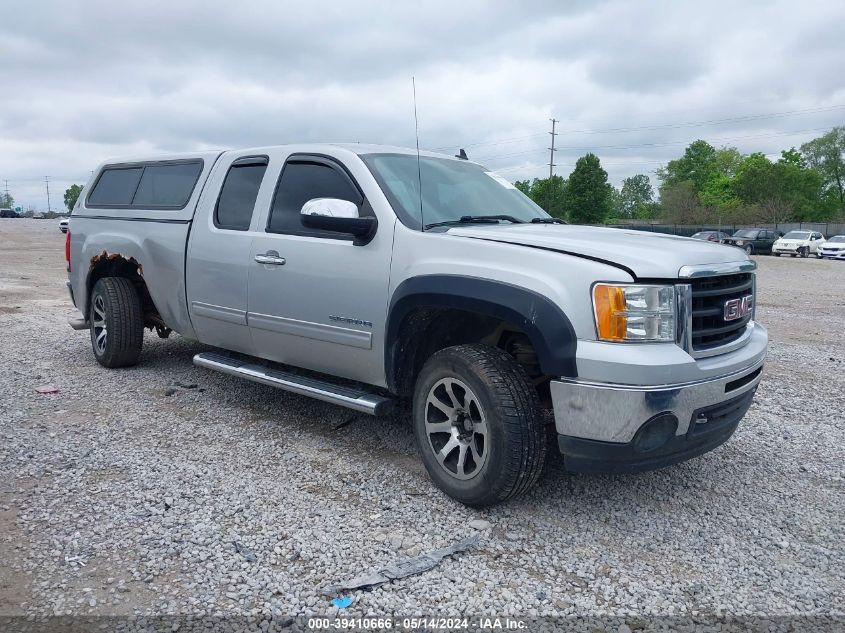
{"x":746,"y":233}
{"x":837,"y":238}
{"x":797,"y":235}
{"x":451,"y":189}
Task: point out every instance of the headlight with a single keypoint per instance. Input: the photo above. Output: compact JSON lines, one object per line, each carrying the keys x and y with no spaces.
{"x":739,"y":242}
{"x":634,"y":313}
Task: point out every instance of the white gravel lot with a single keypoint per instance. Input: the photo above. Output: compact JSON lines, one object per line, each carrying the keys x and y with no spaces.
{"x":119,"y":499}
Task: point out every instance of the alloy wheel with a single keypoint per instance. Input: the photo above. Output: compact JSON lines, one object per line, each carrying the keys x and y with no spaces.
{"x":98,"y":323}
{"x":456,"y":428}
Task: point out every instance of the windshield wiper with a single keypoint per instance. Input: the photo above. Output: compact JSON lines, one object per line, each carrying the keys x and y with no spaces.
{"x":547,"y":221}
{"x":479,"y":219}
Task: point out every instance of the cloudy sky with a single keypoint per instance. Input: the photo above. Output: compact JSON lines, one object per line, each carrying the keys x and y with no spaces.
{"x":633,"y":82}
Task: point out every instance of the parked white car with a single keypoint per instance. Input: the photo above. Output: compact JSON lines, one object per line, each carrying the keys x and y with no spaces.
{"x":63,"y":225}
{"x":797,"y":243}
{"x":834,"y":248}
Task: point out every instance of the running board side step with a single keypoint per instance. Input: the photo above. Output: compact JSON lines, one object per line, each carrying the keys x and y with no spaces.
{"x":351,"y":398}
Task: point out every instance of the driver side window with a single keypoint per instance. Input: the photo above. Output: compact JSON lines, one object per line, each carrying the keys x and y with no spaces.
{"x":302,"y":180}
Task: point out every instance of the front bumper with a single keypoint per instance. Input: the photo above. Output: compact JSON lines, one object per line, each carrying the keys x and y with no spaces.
{"x":628,"y":428}
{"x":839,"y":254}
{"x":786,"y":250}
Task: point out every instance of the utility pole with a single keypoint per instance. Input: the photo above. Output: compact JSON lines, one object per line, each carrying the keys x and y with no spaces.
{"x":8,"y":199}
{"x":47,"y":181}
{"x":552,"y":149}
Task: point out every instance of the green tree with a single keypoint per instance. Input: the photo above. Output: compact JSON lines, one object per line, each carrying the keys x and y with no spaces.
{"x":793,"y":157}
{"x":635,"y":195}
{"x":726,"y":161}
{"x":72,"y":195}
{"x":588,"y":194}
{"x":780,"y":191}
{"x":547,"y":193}
{"x":696,"y":166}
{"x":6,"y":200}
{"x":827,"y":154}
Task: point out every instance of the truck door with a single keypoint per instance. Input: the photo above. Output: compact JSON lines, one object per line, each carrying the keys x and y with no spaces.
{"x":218,"y":253}
{"x":321,"y":302}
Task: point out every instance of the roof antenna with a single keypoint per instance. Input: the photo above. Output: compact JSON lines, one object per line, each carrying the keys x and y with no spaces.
{"x":462,"y":154}
{"x":417,"y":133}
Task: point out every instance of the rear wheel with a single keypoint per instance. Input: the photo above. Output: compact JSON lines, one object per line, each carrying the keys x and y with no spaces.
{"x":478,"y":425}
{"x":117,"y":322}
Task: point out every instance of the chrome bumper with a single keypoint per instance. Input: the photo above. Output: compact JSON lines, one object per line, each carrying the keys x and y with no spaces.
{"x":614,"y":413}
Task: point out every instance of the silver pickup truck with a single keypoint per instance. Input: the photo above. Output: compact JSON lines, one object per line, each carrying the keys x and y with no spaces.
{"x":366,"y":275}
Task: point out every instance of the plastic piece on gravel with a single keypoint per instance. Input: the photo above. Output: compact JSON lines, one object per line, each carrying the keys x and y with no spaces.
{"x":244,"y":551}
{"x":342,"y":603}
{"x":47,"y":389}
{"x":403,"y":568}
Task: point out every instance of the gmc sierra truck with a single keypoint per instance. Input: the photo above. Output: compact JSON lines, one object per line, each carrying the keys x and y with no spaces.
{"x":367,"y":275}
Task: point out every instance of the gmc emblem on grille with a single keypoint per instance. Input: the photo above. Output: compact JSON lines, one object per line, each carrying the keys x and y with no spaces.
{"x":738,"y":308}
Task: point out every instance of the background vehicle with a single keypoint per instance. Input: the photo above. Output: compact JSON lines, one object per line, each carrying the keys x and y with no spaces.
{"x":8,"y":213}
{"x":798,"y":243}
{"x":710,"y":236}
{"x":753,"y":241}
{"x":333,"y":259}
{"x":63,"y":224}
{"x":834,"y":248}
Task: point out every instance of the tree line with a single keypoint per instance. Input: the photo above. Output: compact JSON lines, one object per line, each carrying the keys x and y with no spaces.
{"x":707,"y":185}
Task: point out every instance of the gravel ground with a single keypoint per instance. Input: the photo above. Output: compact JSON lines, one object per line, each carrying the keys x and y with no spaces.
{"x":127,"y":492}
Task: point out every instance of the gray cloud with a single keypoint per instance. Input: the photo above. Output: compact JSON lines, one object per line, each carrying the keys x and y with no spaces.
{"x":111,"y":78}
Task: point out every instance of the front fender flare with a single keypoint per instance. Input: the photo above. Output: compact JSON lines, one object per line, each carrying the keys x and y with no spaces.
{"x":546,"y":325}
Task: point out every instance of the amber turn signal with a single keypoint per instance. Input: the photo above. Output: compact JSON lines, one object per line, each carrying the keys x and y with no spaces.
{"x":611,"y":317}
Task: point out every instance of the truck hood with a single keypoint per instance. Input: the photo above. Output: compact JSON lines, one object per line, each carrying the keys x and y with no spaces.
{"x":646,"y":255}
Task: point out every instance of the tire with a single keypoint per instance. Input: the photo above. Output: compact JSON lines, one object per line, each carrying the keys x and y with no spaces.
{"x":749,"y":249}
{"x":804,"y":251}
{"x":117,"y":322}
{"x":489,"y":413}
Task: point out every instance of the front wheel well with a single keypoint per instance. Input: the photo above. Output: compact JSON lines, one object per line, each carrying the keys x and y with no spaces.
{"x":427,"y":330}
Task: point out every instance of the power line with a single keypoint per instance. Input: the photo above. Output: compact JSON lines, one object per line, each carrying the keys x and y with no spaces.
{"x":588,"y":148}
{"x":666,"y":126}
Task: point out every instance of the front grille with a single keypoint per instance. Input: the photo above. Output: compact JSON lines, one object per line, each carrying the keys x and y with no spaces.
{"x":709,"y":294}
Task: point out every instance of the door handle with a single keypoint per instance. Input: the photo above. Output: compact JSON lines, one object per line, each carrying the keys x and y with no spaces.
{"x":270,"y":258}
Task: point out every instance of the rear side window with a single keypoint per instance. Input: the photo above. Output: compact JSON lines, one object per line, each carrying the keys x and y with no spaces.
{"x":146,"y":186}
{"x":116,"y":187}
{"x":166,"y":185}
{"x":237,"y":197}
{"x":302,"y":181}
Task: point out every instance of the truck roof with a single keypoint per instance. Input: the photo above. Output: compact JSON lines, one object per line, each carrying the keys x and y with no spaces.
{"x":355,"y":148}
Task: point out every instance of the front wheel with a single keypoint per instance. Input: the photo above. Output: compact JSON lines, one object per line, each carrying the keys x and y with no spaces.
{"x":749,"y":249}
{"x":478,"y":425}
{"x":804,"y":251}
{"x":117,"y":322}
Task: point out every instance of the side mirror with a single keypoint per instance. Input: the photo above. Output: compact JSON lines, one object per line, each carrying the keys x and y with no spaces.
{"x":340,"y":216}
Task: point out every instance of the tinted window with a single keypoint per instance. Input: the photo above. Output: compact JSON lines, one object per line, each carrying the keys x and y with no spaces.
{"x":237,"y":198}
{"x":167,"y":185}
{"x":300,"y":182}
{"x":115,"y":186}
